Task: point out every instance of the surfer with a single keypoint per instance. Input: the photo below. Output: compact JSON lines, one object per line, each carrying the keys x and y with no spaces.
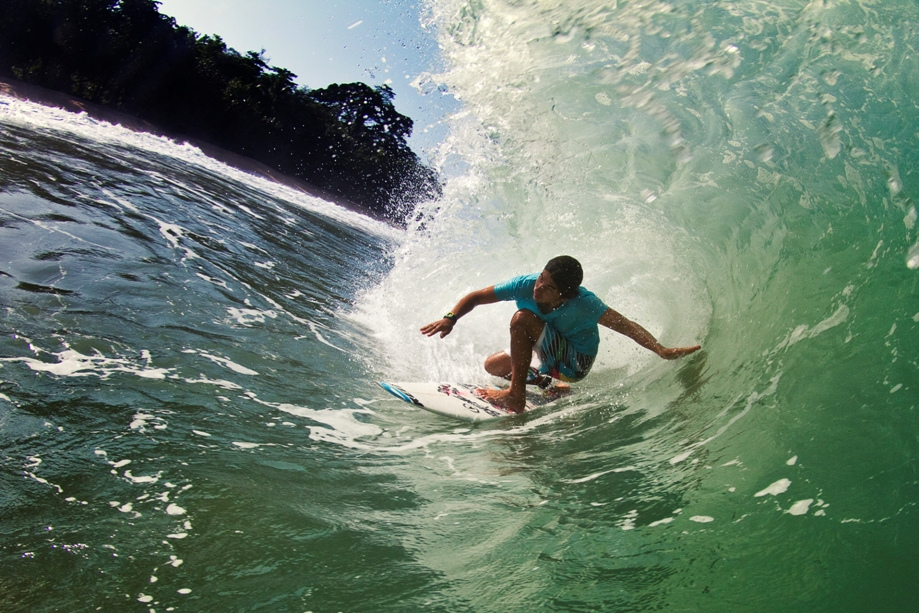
{"x":556,"y":318}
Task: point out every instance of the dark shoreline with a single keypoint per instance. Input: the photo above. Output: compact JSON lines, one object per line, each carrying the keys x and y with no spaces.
{"x":46,"y":97}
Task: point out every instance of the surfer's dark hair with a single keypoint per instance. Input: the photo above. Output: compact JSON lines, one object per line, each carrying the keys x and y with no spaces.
{"x":567,"y":274}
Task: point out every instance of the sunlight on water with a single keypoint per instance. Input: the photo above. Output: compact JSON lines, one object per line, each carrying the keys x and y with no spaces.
{"x":188,"y":397}
{"x":727,"y":173}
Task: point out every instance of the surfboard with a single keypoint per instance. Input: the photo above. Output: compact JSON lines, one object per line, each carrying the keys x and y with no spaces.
{"x":457,"y":400}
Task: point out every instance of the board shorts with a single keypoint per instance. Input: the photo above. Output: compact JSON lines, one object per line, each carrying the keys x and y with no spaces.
{"x":559,"y":359}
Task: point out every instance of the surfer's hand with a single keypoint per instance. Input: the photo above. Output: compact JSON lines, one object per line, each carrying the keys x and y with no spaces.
{"x":672,"y":353}
{"x":443,"y":326}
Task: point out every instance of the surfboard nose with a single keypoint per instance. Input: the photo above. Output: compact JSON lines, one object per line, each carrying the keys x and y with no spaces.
{"x":399,"y":393}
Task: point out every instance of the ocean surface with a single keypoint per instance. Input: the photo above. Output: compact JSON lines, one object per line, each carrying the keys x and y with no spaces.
{"x":189,"y":413}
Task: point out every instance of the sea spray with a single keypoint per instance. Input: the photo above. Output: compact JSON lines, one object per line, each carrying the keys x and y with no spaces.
{"x":745,"y":167}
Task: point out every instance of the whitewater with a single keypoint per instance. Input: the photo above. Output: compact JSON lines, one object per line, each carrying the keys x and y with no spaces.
{"x":189,"y":413}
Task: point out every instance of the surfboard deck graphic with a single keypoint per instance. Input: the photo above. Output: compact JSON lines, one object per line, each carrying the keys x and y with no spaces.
{"x":457,"y":400}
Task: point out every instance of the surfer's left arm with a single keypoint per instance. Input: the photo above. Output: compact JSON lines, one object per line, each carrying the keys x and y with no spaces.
{"x":444,"y":325}
{"x":620,"y":323}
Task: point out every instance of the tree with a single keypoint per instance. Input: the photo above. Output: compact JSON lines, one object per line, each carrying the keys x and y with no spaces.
{"x":347,"y":138}
{"x":368,"y":112}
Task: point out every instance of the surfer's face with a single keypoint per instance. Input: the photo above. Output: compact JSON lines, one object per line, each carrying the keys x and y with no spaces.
{"x":545,"y":291}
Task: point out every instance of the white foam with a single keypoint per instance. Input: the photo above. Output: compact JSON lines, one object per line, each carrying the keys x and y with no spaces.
{"x":779,"y":487}
{"x":801,"y":507}
{"x":35,"y":116}
{"x":217,"y":282}
{"x":227,"y":362}
{"x":628,"y":522}
{"x":343,"y":425}
{"x":600,"y":474}
{"x":32,"y":475}
{"x":143,"y":479}
{"x":804,"y":332}
{"x":322,"y":339}
{"x":121,"y":203}
{"x":71,"y":363}
{"x":912,"y":258}
{"x":249,"y":211}
{"x":702,"y":519}
{"x":222,"y":383}
{"x":247,"y":317}
{"x":752,"y":399}
{"x":142,"y":420}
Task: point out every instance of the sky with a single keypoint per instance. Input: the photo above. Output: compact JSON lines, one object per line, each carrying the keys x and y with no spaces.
{"x":334,"y":41}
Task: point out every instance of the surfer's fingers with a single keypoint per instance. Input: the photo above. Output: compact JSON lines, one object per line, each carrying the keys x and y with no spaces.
{"x":672,"y":354}
{"x":669,"y":353}
{"x":431,"y":329}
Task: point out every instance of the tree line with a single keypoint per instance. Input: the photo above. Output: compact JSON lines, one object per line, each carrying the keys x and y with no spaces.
{"x":346,"y":139}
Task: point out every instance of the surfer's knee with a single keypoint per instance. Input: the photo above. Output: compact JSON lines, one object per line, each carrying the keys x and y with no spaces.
{"x":526,"y":321}
{"x":498,"y":364}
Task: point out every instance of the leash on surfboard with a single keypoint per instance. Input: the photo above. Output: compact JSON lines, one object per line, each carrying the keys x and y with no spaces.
{"x":551,"y":389}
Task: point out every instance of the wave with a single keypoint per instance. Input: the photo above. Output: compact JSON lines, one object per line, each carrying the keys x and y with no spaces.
{"x":730,"y":174}
{"x":737,"y":174}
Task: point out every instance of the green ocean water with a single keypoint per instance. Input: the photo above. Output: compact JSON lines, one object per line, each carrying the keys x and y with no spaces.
{"x":189,"y":415}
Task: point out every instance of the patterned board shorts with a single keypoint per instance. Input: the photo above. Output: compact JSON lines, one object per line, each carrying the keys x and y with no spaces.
{"x":559,"y":359}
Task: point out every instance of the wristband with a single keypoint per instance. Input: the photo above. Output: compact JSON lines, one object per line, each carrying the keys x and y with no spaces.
{"x":451,"y":316}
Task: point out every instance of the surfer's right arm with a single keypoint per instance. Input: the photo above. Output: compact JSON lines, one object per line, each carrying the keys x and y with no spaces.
{"x":445,"y":324}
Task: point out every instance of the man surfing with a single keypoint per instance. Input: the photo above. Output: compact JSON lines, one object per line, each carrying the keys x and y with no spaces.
{"x":558,"y":320}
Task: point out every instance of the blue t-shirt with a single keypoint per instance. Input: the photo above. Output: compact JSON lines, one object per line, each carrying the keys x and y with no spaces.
{"x":576,"y":319}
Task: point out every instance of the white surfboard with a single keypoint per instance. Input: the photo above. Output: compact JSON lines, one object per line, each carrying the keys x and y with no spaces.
{"x":457,"y":400}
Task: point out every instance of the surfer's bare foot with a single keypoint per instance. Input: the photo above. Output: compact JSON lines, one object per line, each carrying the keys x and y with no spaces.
{"x":557,"y":390}
{"x":503,"y":398}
